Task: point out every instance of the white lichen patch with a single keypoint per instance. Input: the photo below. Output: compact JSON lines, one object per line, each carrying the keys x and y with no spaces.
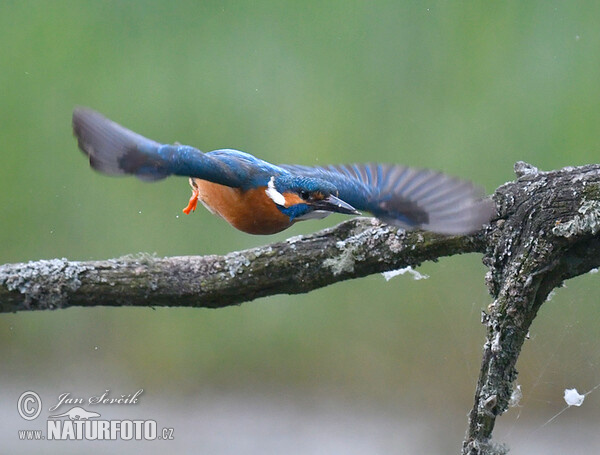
{"x":139,"y":258}
{"x":496,"y":346}
{"x":522,"y":168}
{"x":348,"y":257}
{"x":236,"y":263}
{"x":587,"y":222}
{"x":393,"y":273}
{"x":358,"y":246}
{"x":294,"y":239}
{"x":342,"y":263}
{"x":45,"y":282}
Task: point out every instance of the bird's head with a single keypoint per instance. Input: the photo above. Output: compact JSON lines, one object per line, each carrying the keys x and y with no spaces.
{"x":303,"y":198}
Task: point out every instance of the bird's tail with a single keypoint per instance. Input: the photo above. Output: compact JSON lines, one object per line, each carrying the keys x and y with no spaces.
{"x":115,"y":150}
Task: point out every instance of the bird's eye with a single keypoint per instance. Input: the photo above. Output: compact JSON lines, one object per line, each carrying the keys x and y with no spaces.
{"x":305,"y":195}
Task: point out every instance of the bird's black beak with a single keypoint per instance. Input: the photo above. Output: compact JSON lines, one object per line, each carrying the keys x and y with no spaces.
{"x":335,"y":204}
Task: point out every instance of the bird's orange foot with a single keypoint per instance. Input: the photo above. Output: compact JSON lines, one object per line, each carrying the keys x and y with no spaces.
{"x":193,"y":202}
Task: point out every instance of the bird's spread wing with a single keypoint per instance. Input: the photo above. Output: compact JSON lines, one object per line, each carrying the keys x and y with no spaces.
{"x":407,"y":197}
{"x":115,"y":150}
{"x":399,"y":195}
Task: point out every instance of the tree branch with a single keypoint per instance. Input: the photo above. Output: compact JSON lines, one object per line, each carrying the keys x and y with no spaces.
{"x":546,"y":231}
{"x":353,"y":249}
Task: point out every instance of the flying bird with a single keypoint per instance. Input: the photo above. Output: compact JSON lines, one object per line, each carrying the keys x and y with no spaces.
{"x":258,"y":197}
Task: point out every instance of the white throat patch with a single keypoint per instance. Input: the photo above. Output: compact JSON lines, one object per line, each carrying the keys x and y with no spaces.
{"x":275,"y":195}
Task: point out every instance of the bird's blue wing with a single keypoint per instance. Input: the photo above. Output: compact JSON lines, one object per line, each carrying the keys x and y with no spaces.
{"x":405,"y":196}
{"x":246,"y":170}
{"x":115,"y":150}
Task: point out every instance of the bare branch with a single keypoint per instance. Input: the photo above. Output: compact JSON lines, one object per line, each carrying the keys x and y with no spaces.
{"x":355,"y":248}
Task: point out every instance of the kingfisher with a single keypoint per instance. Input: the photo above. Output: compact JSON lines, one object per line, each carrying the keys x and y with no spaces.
{"x":258,"y":197}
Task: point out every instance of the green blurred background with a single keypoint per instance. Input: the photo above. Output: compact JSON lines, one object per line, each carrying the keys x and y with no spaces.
{"x":366,"y":366}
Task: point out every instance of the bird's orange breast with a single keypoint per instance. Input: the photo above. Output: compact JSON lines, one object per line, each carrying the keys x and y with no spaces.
{"x":251,"y":211}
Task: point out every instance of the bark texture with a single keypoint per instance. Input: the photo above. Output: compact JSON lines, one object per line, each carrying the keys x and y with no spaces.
{"x":546,"y":231}
{"x":355,"y":248}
